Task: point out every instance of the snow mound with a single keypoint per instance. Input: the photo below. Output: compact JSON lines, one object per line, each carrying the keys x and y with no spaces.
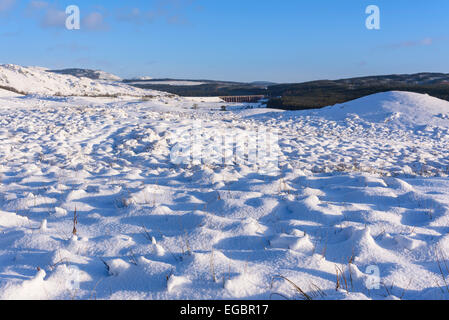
{"x":35,"y":80}
{"x":404,"y":110}
{"x":9,"y":220}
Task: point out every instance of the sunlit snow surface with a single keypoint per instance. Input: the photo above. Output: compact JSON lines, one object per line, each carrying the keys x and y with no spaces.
{"x":360,"y":187}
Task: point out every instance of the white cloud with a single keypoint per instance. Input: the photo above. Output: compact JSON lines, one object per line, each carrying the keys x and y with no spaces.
{"x":94,"y":21}
{"x":53,"y":17}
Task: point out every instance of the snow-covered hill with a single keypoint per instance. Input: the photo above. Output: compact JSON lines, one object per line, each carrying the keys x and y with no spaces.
{"x":173,"y":201}
{"x":406,"y":110}
{"x":88,"y":73}
{"x":35,"y":80}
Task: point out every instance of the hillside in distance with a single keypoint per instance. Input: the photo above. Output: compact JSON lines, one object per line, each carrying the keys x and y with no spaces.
{"x":288,"y":96}
{"x":307,"y":95}
{"x":87,"y":73}
{"x":202,"y":88}
{"x":41,"y":81}
{"x":318,"y":94}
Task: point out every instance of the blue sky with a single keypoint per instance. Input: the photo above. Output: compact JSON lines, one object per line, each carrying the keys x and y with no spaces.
{"x":242,"y":40}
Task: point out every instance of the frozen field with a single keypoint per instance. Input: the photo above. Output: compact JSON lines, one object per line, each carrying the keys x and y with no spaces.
{"x":361,"y":191}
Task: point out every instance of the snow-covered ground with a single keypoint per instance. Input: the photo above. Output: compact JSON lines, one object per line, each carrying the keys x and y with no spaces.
{"x":361,"y":191}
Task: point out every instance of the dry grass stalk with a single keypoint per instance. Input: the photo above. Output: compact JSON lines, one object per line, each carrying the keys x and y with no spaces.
{"x":75,"y":222}
{"x":296,"y":287}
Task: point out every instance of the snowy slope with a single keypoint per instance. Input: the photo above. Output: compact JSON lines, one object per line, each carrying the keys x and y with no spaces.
{"x":7,"y":93}
{"x":35,"y":80}
{"x":355,"y":197}
{"x":400,"y":109}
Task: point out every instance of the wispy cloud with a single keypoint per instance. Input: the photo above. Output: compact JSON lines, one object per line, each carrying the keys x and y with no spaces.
{"x":5,"y":5}
{"x":69,"y":47}
{"x":35,"y":7}
{"x":410,"y":44}
{"x":51,"y":16}
{"x":38,"y":5}
{"x":178,"y":20}
{"x":11,"y":34}
{"x":54,"y":18}
{"x":172,"y":11}
{"x":94,"y":21}
{"x":137,"y":16}
{"x":48,"y":15}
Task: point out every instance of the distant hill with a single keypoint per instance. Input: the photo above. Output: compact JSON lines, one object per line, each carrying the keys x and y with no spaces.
{"x":263,"y":83}
{"x":37,"y":80}
{"x":306,"y":95}
{"x":318,"y":94}
{"x":88,"y":73}
{"x":200,"y":88}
